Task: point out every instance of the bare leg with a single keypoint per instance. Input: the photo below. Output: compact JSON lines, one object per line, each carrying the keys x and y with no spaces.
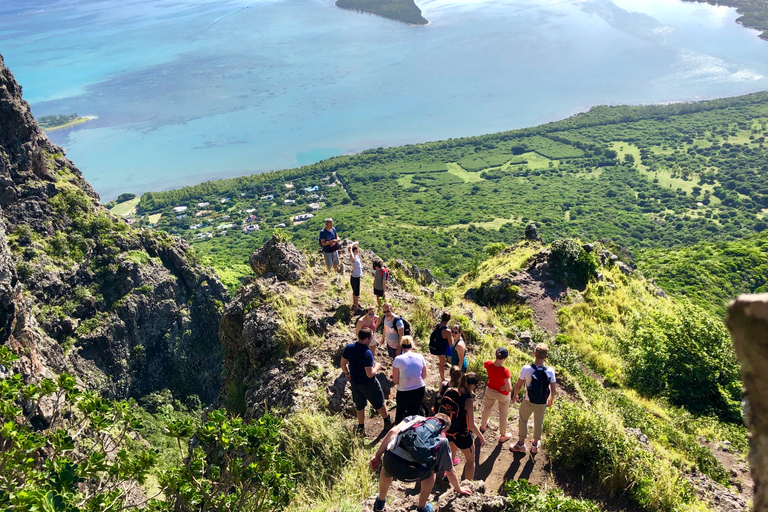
{"x":469,"y":467}
{"x":361,"y":417}
{"x":384,"y":483}
{"x":441,"y":367}
{"x":426,"y":489}
{"x":383,"y":411}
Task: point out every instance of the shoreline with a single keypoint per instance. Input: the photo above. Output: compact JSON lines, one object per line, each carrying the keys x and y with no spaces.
{"x":74,"y":122}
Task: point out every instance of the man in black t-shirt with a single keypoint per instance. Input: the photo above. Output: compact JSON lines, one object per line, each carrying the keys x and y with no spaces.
{"x":360,"y":370}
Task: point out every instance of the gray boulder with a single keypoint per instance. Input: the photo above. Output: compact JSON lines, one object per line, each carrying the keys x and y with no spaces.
{"x":280,"y":258}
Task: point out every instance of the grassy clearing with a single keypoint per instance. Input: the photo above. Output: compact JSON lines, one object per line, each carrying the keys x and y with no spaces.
{"x":126,"y":208}
{"x":512,"y":260}
{"x":463,"y":174}
{"x":155,"y":218}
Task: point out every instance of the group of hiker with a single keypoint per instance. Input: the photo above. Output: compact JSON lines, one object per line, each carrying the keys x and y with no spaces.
{"x":421,"y":445}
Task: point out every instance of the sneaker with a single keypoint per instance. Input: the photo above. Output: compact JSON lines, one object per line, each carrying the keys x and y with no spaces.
{"x":535,"y":447}
{"x":505,"y":438}
{"x":456,"y":461}
{"x":378,"y":505}
{"x":360,"y":430}
{"x":517,"y":447}
{"x":388,"y":423}
{"x":426,"y":508}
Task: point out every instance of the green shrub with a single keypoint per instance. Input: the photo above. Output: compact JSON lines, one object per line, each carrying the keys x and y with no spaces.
{"x":592,"y":442}
{"x":525,"y":497}
{"x":571,"y":264}
{"x":494,"y":249}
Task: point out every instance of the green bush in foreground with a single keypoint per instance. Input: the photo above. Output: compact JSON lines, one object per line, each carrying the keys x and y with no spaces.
{"x":591,"y":441}
{"x":525,"y":497}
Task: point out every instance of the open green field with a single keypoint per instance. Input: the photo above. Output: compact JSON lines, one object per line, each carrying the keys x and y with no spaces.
{"x":126,"y":208}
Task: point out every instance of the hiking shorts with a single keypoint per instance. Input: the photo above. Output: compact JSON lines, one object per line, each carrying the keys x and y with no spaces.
{"x":355,"y":282}
{"x":368,"y":392}
{"x":445,"y":350}
{"x":392,"y":352}
{"x":377,"y":292}
{"x":404,"y":470}
{"x":462,"y":440}
{"x":331,"y":258}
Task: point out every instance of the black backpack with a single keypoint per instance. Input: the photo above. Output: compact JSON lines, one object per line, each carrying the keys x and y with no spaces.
{"x":439,"y":396}
{"x":450,"y":405}
{"x":422,"y":440}
{"x":538,"y":389}
{"x":436,"y":341}
{"x":406,"y":325}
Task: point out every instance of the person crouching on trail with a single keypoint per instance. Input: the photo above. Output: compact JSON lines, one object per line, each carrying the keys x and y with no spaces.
{"x":359,"y":369}
{"x":540,"y":387}
{"x":400,"y":458}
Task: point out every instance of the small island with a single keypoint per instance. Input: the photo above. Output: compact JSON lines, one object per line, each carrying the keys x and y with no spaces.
{"x":51,"y":123}
{"x":398,"y":10}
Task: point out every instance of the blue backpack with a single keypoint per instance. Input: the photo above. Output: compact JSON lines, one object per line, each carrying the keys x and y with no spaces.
{"x":422,"y":440}
{"x":538,"y":389}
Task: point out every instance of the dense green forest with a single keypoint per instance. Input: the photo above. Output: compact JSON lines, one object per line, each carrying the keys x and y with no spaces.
{"x":754,"y":13}
{"x":51,"y":121}
{"x":400,"y":10}
{"x":655,"y":177}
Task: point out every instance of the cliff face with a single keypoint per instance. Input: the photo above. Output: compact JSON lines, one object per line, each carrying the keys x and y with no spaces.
{"x":127,"y":311}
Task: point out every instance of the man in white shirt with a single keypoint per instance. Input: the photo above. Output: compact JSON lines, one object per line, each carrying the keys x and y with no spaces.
{"x":540,"y":387}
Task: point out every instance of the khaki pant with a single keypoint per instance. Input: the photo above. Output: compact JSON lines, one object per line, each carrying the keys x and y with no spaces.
{"x":526,"y":409}
{"x":492,"y":396}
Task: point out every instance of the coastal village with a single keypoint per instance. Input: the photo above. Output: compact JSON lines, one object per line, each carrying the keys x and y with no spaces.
{"x":251,"y":211}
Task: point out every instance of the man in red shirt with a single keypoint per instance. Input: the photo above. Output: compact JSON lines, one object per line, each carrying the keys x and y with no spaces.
{"x":497,"y":390}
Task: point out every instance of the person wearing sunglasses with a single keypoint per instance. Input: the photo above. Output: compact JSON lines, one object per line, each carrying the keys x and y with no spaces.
{"x":458,"y":348}
{"x":394,"y":328}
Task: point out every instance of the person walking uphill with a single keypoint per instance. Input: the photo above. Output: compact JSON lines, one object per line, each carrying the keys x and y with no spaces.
{"x":540,"y":387}
{"x":458,"y":403}
{"x":409,"y":372}
{"x":355,"y":275}
{"x":497,"y":390}
{"x":359,"y":369}
{"x":329,"y":241}
{"x":440,"y":342}
{"x":400,"y":457}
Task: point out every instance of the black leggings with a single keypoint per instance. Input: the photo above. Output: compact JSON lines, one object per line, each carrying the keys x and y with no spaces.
{"x":409,"y":403}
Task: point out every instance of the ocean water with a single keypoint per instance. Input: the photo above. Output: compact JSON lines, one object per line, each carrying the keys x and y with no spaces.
{"x":190,"y":90}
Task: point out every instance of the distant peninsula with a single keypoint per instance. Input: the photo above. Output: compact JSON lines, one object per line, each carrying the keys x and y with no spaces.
{"x":754,"y":13}
{"x":398,"y":10}
{"x":51,"y":123}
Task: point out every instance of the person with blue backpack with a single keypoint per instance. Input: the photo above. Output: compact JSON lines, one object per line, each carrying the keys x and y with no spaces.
{"x":415,"y":450}
{"x":540,"y":387}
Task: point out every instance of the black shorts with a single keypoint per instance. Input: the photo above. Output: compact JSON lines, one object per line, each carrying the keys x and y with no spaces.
{"x":378,"y":293}
{"x":355,"y":282}
{"x":403,"y":470}
{"x":368,"y":392}
{"x":462,"y":440}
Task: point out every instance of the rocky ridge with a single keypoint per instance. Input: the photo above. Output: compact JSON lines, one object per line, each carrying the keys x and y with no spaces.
{"x":126,"y":311}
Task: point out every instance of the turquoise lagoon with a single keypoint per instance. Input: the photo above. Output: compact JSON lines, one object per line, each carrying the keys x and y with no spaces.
{"x":190,"y":90}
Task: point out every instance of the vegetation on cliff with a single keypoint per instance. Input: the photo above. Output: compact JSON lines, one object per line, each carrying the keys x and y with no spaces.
{"x":400,"y":10}
{"x":753,"y":13}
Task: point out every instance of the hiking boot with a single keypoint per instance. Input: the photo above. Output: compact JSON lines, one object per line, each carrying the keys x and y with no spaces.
{"x":535,"y":447}
{"x":426,"y":508}
{"x":517,"y":447}
{"x":378,"y":505}
{"x":388,"y":423}
{"x":360,"y":430}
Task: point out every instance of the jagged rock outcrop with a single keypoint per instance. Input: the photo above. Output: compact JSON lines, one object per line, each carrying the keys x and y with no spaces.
{"x":126,"y":311}
{"x":748,"y":322}
{"x":420,"y":275}
{"x":280,"y":258}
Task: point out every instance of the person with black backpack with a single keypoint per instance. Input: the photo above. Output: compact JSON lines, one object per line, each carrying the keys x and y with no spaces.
{"x":540,"y":387}
{"x":415,"y":450}
{"x":458,"y":403}
{"x":440,"y":342}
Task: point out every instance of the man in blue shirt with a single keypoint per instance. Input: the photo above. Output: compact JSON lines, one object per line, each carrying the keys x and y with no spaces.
{"x":329,"y":240}
{"x":359,"y":369}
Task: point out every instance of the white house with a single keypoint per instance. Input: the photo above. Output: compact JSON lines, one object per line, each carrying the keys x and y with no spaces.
{"x":179,"y":209}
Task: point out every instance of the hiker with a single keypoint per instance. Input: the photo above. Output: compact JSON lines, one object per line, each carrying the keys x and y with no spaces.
{"x":459,"y":404}
{"x":369,"y":320}
{"x":355,"y":275}
{"x":329,"y":240}
{"x":399,"y":459}
{"x":458,"y":348}
{"x":359,"y":369}
{"x":440,"y":342}
{"x":454,"y":375}
{"x":540,"y":387}
{"x":497,"y":390}
{"x":409,"y":372}
{"x":380,"y":277}
{"x":394,"y":328}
